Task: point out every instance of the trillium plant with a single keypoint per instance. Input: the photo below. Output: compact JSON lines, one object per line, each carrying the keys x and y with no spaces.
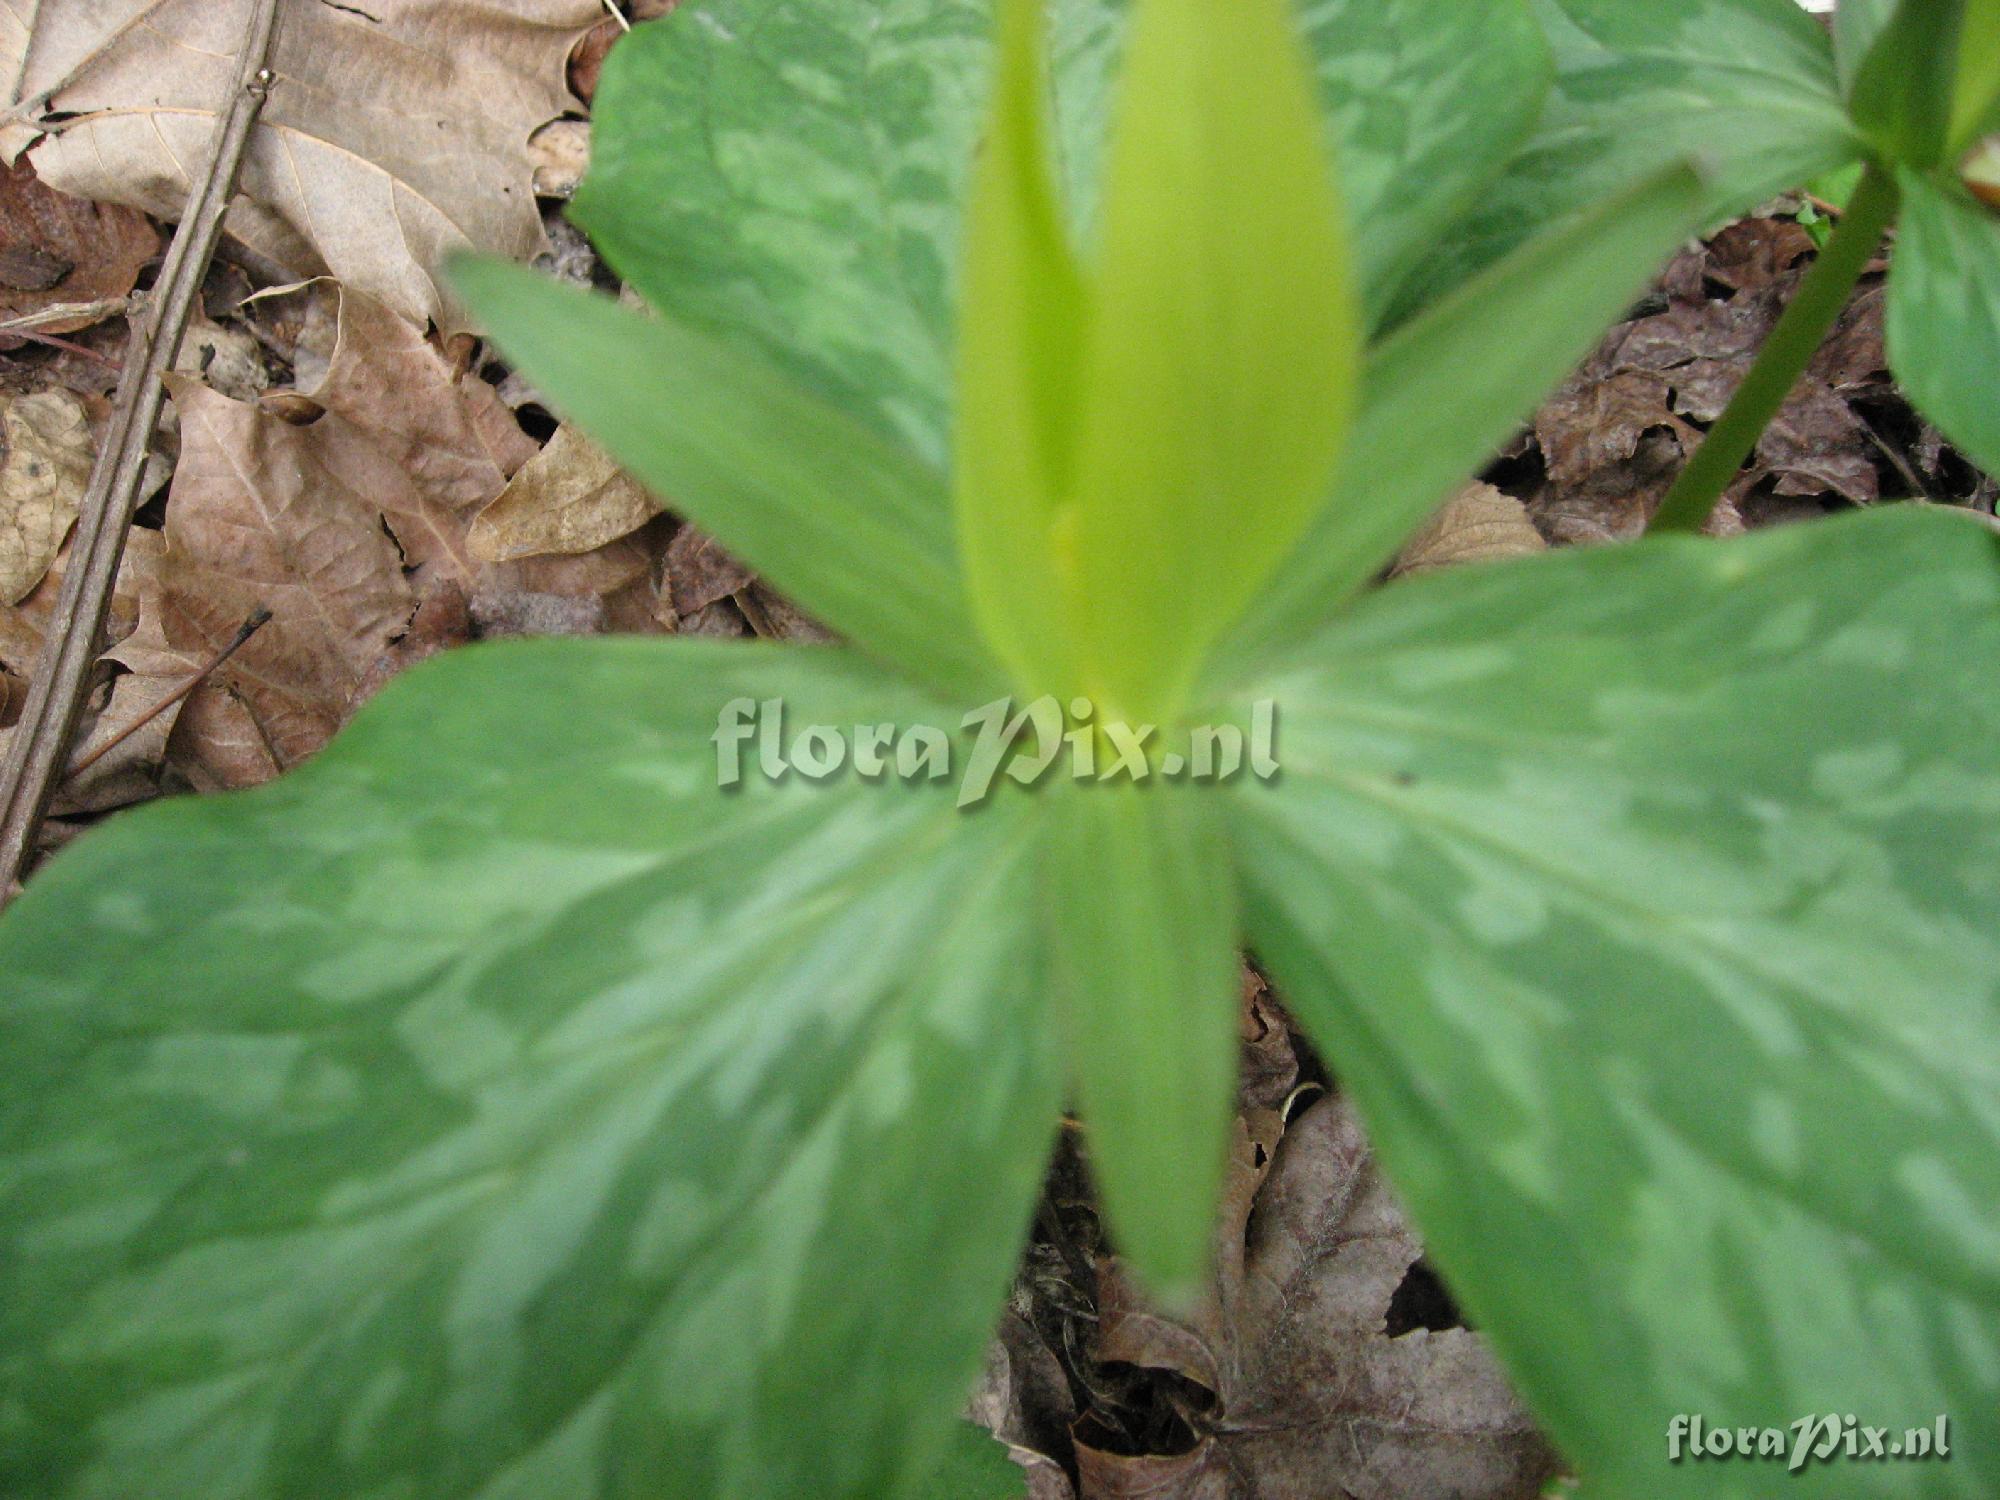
{"x":500,"y":1107}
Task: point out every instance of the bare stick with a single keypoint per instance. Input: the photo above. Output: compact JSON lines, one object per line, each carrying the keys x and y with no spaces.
{"x":39,"y":751}
{"x":259,"y":618}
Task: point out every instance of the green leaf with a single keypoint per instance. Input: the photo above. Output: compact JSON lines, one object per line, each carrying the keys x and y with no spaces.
{"x":976,"y":1467}
{"x":1975,"y":94}
{"x":1856,"y":24}
{"x":1943,"y":320}
{"x":1019,"y":356}
{"x":1222,"y":351}
{"x":795,"y":172}
{"x":1141,"y":901}
{"x":1646,"y":900}
{"x":1745,"y":86}
{"x":844,"y":521}
{"x":1901,"y":96}
{"x":1444,"y":391}
{"x":494,"y":1107}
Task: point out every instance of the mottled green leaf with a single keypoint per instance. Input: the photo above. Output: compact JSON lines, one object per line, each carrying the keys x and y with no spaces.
{"x":1142,"y":906}
{"x":1442,"y":392}
{"x":1943,"y":319}
{"x":1648,"y":901}
{"x":1747,"y":86}
{"x":846,"y":522}
{"x":793,"y":172}
{"x":494,"y":1107}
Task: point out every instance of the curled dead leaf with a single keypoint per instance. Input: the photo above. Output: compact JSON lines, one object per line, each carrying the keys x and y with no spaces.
{"x":569,"y":498}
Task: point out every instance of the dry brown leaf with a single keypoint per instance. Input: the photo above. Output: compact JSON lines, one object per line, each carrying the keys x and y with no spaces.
{"x":131,"y":771}
{"x":1478,"y":524}
{"x":1315,"y":1392}
{"x":256,"y":518}
{"x":700,"y":573}
{"x":42,"y":479}
{"x":569,"y":498}
{"x":58,"y":250}
{"x":395,"y":131}
{"x":1024,"y":1400}
{"x":1613,"y":438}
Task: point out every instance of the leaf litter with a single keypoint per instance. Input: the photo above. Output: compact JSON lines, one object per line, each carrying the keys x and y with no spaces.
{"x":344,"y":460}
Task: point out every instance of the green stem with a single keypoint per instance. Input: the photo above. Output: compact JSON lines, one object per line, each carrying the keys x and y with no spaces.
{"x":1784,"y":357}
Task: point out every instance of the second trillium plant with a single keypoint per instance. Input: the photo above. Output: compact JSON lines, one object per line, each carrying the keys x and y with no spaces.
{"x":498,"y":1108}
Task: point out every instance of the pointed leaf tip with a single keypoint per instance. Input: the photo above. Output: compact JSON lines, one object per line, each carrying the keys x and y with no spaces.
{"x":1144,"y":441}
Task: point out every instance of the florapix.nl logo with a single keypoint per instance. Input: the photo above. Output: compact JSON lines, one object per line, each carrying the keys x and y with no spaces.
{"x":1046,"y":737}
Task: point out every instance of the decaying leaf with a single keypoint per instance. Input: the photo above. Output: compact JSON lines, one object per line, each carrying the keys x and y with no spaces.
{"x":1023,"y":1399}
{"x":58,"y":251}
{"x":1478,"y":524}
{"x":342,"y":527}
{"x":700,"y":573}
{"x":1613,"y":438}
{"x":395,"y":131}
{"x":257,"y":519}
{"x":364,"y":511}
{"x":1313,"y":1385}
{"x":569,"y":498}
{"x":131,"y":771}
{"x":42,"y":478}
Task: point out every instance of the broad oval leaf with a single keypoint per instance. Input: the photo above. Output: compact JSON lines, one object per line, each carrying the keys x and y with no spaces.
{"x":1943,"y":320}
{"x":1745,"y":86}
{"x":495,"y":1107}
{"x":1646,"y":899}
{"x":793,"y":172}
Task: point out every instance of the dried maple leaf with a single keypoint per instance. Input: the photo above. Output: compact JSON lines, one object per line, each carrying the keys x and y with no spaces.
{"x":1313,"y":1392}
{"x":257,"y":519}
{"x":395,"y":130}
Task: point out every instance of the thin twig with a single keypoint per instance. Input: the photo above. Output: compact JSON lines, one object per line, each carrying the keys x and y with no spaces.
{"x":259,"y":618}
{"x":39,"y":751}
{"x":66,"y":345}
{"x":62,"y":312}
